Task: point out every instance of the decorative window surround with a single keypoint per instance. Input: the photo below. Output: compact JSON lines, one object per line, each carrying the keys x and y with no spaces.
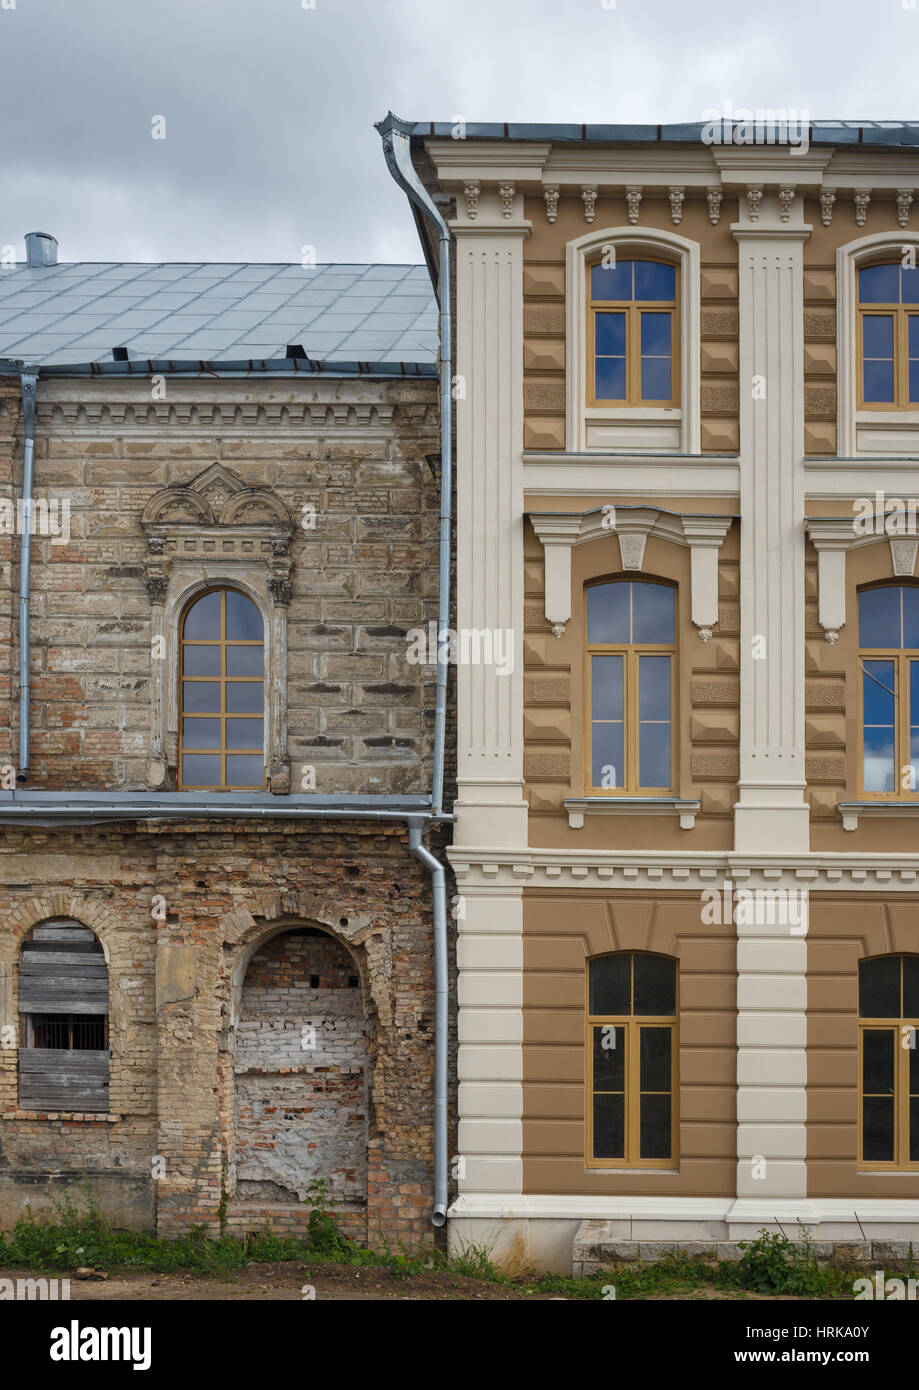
{"x":866,"y":433}
{"x":851,"y":811}
{"x":579,"y":806}
{"x":559,"y":531}
{"x":832,"y":537}
{"x":216,"y":531}
{"x":678,"y":428}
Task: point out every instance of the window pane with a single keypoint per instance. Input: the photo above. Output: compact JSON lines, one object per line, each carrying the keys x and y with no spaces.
{"x":200,"y":697}
{"x":654,"y":280}
{"x":609,"y":1057}
{"x":878,"y":692}
{"x":245,"y":661}
{"x":609,"y":335}
{"x":244,"y":621}
{"x":655,"y":335}
{"x":877,"y":1129}
{"x":609,"y":1126}
{"x":878,"y":774}
{"x":879,"y":617}
{"x":878,"y":1061}
{"x":201,"y":733}
{"x":244,"y":770}
{"x":199,"y":771}
{"x":655,"y":986}
{"x":655,"y":379}
{"x":244,"y":697}
{"x":654,"y":755}
{"x":606,"y":761}
{"x":611,"y":282}
{"x":879,"y":987}
{"x":909,"y":285}
{"x":606,"y":687}
{"x":910,"y":616}
{"x":655,"y":1059}
{"x":201,"y":661}
{"x":912,"y":1037}
{"x":653,"y":613}
{"x":914,"y":1129}
{"x":609,"y":379}
{"x":655,"y":1127}
{"x":914,"y":332}
{"x":203,"y":618}
{"x":879,"y":284}
{"x":654,"y":688}
{"x":911,"y":988}
{"x":244,"y":733}
{"x":913,"y":381}
{"x":608,"y":613}
{"x":877,"y":382}
{"x":610,"y":985}
{"x":877,"y":335}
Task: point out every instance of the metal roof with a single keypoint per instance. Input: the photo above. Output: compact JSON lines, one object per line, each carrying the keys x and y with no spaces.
{"x":892,"y":134}
{"x":80,"y":312}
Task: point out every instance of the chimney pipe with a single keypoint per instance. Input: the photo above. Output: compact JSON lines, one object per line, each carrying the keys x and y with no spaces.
{"x":41,"y":249}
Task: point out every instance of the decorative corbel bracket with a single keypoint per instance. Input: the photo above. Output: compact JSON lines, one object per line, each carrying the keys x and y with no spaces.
{"x":705,"y":536}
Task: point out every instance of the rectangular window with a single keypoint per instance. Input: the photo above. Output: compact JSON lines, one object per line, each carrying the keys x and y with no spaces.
{"x":631,"y":1049}
{"x":632,"y":334}
{"x":888,"y":632}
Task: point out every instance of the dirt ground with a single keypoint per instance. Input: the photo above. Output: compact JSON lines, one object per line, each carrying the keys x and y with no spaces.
{"x":280,"y":1283}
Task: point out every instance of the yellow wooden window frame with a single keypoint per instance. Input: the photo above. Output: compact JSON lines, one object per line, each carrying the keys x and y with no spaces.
{"x":222,"y":680}
{"x":633,"y":309}
{"x":631,"y":1024}
{"x":901,"y":657}
{"x":901,"y":1091}
{"x":631,"y":653}
{"x":901,"y":314}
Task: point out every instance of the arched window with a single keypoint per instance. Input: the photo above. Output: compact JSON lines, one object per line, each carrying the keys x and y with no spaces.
{"x":888,"y":1061}
{"x":632,"y":1060}
{"x":222,"y":703}
{"x":888,"y":641}
{"x":631,"y":659}
{"x":633,"y":334}
{"x":888,"y":336}
{"x":63,"y":1015}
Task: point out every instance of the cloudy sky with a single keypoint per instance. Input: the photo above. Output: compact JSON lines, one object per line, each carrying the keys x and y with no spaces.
{"x":269,"y":104}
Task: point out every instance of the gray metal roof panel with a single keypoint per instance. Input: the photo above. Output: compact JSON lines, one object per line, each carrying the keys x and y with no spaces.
{"x":61,"y":314}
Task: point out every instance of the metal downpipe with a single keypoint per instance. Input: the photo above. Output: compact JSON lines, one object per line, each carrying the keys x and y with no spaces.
{"x":439,"y":891}
{"x":29,"y":380}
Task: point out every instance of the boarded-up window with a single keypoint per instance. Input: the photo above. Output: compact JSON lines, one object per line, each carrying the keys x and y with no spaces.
{"x":63,"y":1007}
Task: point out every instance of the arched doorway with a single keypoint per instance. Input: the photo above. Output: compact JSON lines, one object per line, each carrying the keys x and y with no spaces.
{"x":301,"y":1073}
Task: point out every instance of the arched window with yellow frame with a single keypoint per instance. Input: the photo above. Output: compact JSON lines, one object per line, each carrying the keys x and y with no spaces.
{"x":633,"y":333}
{"x":222,"y":693}
{"x":888,"y":336}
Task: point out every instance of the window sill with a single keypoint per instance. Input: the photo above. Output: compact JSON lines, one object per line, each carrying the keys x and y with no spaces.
{"x":578,"y":807}
{"x":851,"y":811}
{"x":71,"y":1116}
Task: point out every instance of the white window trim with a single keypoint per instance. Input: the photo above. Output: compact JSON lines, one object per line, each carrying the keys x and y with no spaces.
{"x":848,"y":259}
{"x":632,"y":239}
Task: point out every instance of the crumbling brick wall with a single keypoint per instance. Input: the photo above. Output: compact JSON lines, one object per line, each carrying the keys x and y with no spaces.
{"x":301,"y":1055}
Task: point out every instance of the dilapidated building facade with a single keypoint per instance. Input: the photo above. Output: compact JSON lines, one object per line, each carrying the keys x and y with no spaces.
{"x":216,"y":955}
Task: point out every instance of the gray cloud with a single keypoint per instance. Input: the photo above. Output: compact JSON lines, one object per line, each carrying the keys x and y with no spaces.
{"x":269,"y":106}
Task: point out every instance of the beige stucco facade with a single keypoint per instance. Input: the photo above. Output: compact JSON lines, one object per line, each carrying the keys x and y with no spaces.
{"x":742,"y":497}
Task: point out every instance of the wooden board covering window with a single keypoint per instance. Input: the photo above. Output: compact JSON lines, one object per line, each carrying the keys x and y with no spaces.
{"x":63,"y":977}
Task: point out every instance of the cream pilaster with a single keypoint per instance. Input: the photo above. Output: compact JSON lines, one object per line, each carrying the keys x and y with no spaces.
{"x":771,"y":815}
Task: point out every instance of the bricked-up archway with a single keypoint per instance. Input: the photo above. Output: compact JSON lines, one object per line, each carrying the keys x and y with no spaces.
{"x":301,"y":1073}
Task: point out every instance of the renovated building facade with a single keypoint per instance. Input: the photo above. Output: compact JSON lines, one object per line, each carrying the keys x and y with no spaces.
{"x":687,"y":821}
{"x":217,"y":992}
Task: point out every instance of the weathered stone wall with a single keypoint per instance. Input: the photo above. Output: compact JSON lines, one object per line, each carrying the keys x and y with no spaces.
{"x":183,"y":1020}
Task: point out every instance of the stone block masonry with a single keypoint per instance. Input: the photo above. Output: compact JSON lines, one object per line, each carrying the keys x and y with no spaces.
{"x":296,"y":932}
